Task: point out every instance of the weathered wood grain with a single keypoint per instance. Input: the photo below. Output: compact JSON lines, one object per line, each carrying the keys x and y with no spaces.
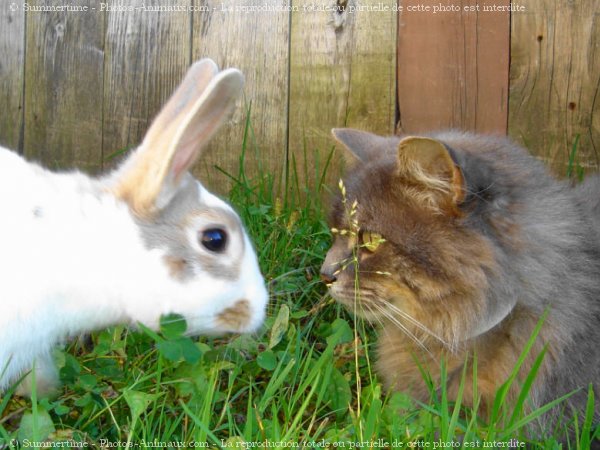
{"x":555,"y":80}
{"x":80,"y":86}
{"x":147,"y":56}
{"x":453,"y":62}
{"x":12,"y":66}
{"x":63,"y":87}
{"x":255,"y":40}
{"x":342,"y":74}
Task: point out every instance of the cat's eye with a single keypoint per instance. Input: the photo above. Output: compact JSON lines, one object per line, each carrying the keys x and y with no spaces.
{"x":213,"y":239}
{"x":371,"y":240}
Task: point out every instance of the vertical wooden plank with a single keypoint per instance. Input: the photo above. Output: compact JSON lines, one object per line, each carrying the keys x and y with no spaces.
{"x":63,"y":87}
{"x":342,"y":73}
{"x":147,"y":55}
{"x":12,"y":63}
{"x":254,"y":37}
{"x":453,"y":62}
{"x":555,"y":80}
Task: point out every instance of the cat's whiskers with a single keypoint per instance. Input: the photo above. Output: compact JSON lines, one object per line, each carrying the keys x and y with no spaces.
{"x":388,"y":315}
{"x":367,"y":313}
{"x":394,"y":310}
{"x":362,"y":304}
{"x":379,"y":320}
{"x":375,"y":308}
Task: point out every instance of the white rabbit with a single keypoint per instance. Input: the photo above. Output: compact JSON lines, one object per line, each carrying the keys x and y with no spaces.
{"x":79,"y":254}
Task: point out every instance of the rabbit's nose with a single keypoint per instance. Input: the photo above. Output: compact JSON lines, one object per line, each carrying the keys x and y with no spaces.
{"x":328,"y":276}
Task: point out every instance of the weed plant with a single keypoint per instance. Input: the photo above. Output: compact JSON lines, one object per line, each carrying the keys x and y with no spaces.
{"x":306,"y":380}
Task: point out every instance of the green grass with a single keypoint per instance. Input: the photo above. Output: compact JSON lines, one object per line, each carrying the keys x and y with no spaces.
{"x":574,"y":169}
{"x":306,"y":379}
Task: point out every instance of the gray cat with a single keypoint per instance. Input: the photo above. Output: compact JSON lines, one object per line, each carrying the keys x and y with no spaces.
{"x":460,"y":243}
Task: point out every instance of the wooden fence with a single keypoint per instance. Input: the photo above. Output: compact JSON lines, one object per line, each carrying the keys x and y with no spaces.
{"x":78,"y":85}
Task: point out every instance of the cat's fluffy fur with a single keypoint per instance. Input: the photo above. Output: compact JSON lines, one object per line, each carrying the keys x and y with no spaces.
{"x":478,"y":241}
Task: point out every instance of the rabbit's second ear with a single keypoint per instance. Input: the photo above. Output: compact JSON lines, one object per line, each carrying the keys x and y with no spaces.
{"x":151,"y":177}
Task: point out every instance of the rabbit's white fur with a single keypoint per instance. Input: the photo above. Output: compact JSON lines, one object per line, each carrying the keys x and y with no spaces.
{"x":73,"y":259}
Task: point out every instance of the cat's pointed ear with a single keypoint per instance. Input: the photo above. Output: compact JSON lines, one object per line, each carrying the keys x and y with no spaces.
{"x":361,"y":145}
{"x":428,"y":162}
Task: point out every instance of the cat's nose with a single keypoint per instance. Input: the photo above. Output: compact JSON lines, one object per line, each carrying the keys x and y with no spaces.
{"x":331,"y":266}
{"x":327,"y":276}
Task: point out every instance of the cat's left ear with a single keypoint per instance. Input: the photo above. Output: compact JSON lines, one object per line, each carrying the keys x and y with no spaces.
{"x":428,"y":162}
{"x":361,"y":145}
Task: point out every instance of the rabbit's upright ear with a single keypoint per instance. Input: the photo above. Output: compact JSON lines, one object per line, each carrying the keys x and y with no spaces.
{"x":151,"y":176}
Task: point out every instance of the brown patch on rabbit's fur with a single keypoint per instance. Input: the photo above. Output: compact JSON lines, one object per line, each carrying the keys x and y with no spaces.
{"x":177,"y":266}
{"x":236,"y":316}
{"x":478,"y":242}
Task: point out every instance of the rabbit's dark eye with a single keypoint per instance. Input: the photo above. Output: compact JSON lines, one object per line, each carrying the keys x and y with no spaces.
{"x":214,"y":239}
